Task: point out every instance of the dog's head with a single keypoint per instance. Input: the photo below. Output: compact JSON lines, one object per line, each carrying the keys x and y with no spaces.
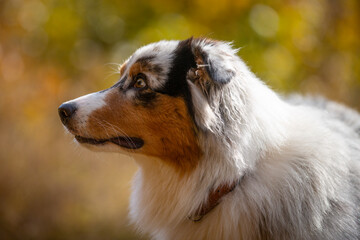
{"x":160,"y":103}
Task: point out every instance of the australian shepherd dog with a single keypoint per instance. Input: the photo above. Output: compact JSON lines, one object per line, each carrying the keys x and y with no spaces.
{"x":221,"y":155}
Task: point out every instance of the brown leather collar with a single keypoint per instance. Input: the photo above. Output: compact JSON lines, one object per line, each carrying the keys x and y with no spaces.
{"x":213,"y":200}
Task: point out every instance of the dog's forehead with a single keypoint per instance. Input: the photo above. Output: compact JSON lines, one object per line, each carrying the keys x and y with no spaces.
{"x":161,"y":51}
{"x":158,"y":56}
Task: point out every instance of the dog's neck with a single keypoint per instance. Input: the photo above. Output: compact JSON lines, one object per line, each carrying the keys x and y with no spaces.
{"x":161,"y":196}
{"x":214,"y":198}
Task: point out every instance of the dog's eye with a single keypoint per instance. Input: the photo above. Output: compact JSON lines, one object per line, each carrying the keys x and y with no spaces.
{"x":140,"y":82}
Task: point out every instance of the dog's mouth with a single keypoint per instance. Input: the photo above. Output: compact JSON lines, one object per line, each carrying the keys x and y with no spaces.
{"x":126,"y":142}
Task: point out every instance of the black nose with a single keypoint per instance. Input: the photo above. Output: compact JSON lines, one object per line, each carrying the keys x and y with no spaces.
{"x":66,"y":110}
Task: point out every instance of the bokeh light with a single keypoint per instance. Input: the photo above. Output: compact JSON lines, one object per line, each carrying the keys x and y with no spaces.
{"x":264,"y":20}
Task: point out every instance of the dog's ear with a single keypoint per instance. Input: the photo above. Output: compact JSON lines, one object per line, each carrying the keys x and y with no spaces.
{"x":215,"y":67}
{"x":216,"y":58}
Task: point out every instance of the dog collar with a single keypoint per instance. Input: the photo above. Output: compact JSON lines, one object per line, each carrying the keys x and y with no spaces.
{"x":213,"y":200}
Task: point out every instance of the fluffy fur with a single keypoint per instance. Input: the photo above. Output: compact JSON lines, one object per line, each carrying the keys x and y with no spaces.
{"x":297,"y":157}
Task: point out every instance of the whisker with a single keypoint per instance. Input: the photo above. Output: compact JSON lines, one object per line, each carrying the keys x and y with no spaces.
{"x":104,"y":124}
{"x":126,"y":136}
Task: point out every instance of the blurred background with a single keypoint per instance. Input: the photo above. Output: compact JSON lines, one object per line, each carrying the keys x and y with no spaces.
{"x":55,"y":50}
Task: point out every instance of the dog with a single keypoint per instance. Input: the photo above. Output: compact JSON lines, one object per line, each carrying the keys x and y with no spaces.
{"x":220,"y":154}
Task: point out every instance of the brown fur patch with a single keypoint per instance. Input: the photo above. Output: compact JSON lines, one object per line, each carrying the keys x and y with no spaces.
{"x":144,"y":65}
{"x":166,"y":128}
{"x":122,"y":69}
{"x":199,"y":76}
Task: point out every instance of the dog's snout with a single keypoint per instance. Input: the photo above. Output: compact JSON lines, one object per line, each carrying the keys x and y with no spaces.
{"x":66,"y":111}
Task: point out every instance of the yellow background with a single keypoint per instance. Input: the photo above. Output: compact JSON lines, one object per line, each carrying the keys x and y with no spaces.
{"x":55,"y":50}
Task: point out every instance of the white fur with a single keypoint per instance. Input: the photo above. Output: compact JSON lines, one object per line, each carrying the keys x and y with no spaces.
{"x":163,"y":53}
{"x":87,"y":104}
{"x":290,"y":157}
{"x":298,"y":161}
